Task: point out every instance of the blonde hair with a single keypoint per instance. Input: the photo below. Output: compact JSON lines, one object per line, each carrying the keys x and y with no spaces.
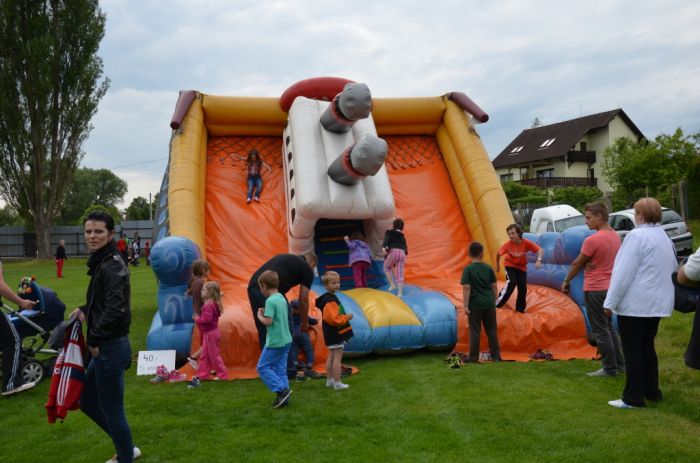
{"x":328,"y":276}
{"x":649,"y":209}
{"x":212,"y":292}
{"x":269,"y":279}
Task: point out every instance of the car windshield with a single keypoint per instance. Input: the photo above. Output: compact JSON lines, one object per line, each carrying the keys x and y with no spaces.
{"x":669,"y":216}
{"x":563,"y":224}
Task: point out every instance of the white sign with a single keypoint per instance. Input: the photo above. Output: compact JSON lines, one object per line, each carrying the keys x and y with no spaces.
{"x":149,"y":360}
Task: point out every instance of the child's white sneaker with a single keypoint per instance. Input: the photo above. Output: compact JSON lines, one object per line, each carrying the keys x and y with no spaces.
{"x":330,"y":383}
{"x":339,"y":386}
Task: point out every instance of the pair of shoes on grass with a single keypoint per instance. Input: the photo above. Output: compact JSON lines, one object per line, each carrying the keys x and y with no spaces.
{"x":282,"y":398}
{"x":601,"y":373}
{"x":177,"y":377}
{"x":162,"y":375}
{"x":313,"y":374}
{"x":194,"y":383}
{"x":137,"y":454}
{"x":21,"y":388}
{"x":337,"y":385}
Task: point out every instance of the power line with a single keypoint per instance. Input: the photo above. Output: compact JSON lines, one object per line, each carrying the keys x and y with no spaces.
{"x":137,"y":163}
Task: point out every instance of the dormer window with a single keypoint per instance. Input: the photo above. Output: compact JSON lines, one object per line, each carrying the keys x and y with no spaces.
{"x":516,"y":150}
{"x":547,"y":143}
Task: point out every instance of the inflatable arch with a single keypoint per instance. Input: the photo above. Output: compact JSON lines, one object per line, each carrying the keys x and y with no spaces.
{"x":436,"y":175}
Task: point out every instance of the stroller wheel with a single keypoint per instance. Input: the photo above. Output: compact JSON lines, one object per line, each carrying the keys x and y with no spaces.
{"x":33,"y":371}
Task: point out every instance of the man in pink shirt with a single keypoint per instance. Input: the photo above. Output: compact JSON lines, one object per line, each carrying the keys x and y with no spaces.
{"x":597,"y":258}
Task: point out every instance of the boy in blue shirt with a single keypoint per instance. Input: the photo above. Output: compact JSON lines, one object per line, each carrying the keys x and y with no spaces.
{"x":272,"y":365}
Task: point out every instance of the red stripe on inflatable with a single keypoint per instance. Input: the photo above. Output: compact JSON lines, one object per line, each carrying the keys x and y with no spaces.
{"x":316,"y":88}
{"x":347,"y":167}
{"x":184,"y":101}
{"x":467,"y":104}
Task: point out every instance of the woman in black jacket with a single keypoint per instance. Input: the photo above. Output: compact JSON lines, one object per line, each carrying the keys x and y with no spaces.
{"x":108,"y":314}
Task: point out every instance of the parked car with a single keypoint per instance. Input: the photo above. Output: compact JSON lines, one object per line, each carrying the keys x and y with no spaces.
{"x":676,"y":229}
{"x":555,"y":219}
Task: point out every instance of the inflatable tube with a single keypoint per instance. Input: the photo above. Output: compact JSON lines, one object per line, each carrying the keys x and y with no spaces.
{"x":316,"y":88}
{"x":184,"y":101}
{"x":469,"y":106}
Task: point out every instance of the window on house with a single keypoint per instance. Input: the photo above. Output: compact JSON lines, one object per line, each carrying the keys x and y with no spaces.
{"x":547,"y":143}
{"x":584,"y":146}
{"x":516,"y":149}
{"x":506,"y":178}
{"x":545,"y":173}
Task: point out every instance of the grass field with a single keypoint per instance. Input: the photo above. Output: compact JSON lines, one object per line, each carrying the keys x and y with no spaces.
{"x":409,"y":408}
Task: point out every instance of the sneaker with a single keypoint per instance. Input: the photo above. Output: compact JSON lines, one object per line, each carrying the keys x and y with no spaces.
{"x":340,"y":386}
{"x":330,"y":383}
{"x":282,"y":398}
{"x":193,"y":362}
{"x":177,"y":377}
{"x":485,"y":356}
{"x":620,"y":404}
{"x":21,"y":388}
{"x":247,"y":200}
{"x":161,"y":376}
{"x":601,"y":374}
{"x":137,"y":454}
{"x":194,"y":383}
{"x":256,"y":199}
{"x":313,"y":374}
{"x":301,"y":377}
{"x":345,"y":371}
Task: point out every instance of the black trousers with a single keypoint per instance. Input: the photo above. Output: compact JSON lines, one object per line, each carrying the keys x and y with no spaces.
{"x":11,"y":347}
{"x":514,"y":278}
{"x":488,"y":319}
{"x":641,"y":363}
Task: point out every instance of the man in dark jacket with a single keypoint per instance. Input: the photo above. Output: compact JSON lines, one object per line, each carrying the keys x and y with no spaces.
{"x":108,"y":315}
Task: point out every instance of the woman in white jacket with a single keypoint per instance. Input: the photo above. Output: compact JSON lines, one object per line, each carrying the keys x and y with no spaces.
{"x":640,"y":293}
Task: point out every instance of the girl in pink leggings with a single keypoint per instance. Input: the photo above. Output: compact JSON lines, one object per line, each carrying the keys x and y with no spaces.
{"x":208,"y":324}
{"x":395,"y":246}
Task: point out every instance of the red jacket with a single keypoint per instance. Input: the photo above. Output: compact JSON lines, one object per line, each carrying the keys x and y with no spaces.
{"x":68,"y":375}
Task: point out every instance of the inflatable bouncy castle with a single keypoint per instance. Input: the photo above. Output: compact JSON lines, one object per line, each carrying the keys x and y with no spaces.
{"x":343,"y":160}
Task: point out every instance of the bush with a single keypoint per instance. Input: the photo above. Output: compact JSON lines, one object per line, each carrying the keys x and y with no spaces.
{"x":576,"y":196}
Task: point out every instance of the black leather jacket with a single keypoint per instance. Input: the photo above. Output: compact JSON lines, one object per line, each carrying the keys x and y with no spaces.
{"x":108,"y":306}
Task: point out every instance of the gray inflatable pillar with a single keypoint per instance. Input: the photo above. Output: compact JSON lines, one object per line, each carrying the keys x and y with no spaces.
{"x":363,"y":158}
{"x":350,"y":105}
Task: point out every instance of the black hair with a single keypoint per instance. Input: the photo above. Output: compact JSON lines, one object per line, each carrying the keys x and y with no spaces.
{"x":101,"y":216}
{"x":398,"y":224}
{"x":476,"y":249}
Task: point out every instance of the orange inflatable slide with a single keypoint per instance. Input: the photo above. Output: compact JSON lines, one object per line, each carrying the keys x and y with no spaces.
{"x":442,"y":185}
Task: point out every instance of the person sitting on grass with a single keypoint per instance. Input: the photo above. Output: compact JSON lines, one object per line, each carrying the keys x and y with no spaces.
{"x":272,"y":364}
{"x":479,"y":295}
{"x":336,"y":328}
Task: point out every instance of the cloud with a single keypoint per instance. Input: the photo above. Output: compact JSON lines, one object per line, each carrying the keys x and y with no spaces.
{"x":518,"y":60}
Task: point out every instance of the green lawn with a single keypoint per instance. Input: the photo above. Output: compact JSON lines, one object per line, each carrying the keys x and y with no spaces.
{"x":403,"y":408}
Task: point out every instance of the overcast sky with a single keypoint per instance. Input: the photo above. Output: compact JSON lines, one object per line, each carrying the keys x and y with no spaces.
{"x":518,"y":60}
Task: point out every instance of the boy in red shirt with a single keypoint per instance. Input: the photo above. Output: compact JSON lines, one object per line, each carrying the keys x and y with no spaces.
{"x":515,"y":252}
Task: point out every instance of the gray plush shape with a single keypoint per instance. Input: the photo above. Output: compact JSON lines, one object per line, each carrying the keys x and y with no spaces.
{"x":355,"y":101}
{"x":368,"y":155}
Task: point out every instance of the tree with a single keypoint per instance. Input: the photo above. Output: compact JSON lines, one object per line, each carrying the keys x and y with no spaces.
{"x":9,"y":217}
{"x":576,"y":196}
{"x":536,"y":123}
{"x":138,"y":209}
{"x":49,"y":92}
{"x":87,"y":187}
{"x":98,"y":207}
{"x":649,"y":168}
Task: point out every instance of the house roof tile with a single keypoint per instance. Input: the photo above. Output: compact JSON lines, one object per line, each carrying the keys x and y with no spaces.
{"x":536,"y":144}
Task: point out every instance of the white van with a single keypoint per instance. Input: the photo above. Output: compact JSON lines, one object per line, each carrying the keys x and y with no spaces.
{"x":555,"y":219}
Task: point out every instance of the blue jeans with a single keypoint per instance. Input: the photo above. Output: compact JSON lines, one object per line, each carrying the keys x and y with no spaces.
{"x":272,"y":367}
{"x":304,"y":341}
{"x":254,"y":181}
{"x":103,"y":395}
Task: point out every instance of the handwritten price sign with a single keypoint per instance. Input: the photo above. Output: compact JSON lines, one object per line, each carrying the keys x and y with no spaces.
{"x":149,"y":360}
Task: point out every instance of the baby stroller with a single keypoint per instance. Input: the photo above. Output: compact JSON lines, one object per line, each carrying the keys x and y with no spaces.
{"x":34,"y":326}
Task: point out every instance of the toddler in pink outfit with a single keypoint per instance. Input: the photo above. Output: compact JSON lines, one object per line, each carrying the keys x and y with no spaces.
{"x":208,"y":324}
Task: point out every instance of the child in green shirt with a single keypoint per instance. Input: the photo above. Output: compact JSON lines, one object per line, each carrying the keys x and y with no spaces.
{"x":272,"y":365}
{"x":479,"y":295}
